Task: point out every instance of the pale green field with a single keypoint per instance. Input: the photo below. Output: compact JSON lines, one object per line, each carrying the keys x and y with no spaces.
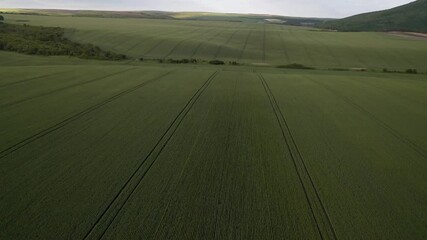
{"x":243,"y":42}
{"x":141,"y":150}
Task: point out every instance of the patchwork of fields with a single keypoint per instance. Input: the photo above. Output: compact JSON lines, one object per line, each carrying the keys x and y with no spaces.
{"x":246,"y":43}
{"x":121,"y":152}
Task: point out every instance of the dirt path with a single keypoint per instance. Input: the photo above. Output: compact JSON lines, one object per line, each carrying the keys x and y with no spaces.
{"x":413,"y":35}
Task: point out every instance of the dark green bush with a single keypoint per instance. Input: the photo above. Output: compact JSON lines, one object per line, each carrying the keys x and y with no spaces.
{"x":411,"y":71}
{"x":295,"y":66}
{"x":216,"y":62}
{"x":48,"y":41}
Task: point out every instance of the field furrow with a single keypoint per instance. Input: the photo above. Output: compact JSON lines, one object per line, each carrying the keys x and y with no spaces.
{"x":226,"y":164}
{"x":404,"y":138}
{"x":360,"y":169}
{"x":110,"y":213}
{"x":57,"y":90}
{"x":72,"y":118}
{"x":317,"y":208}
{"x":84,"y":176}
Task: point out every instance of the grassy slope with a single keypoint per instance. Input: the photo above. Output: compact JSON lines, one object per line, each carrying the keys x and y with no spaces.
{"x":410,"y":17}
{"x":225,"y":170}
{"x":243,"y":42}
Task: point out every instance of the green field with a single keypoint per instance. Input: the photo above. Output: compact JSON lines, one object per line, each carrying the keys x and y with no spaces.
{"x":141,"y":150}
{"x":246,"y":43}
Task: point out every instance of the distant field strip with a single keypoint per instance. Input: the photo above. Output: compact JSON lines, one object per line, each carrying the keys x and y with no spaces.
{"x":264,"y":42}
{"x":245,"y":44}
{"x":218,"y":51}
{"x":119,"y":201}
{"x":180,"y":43}
{"x":159,"y":43}
{"x":317,"y":208}
{"x":63,"y":123}
{"x":285,"y":51}
{"x":304,"y":45}
{"x":308,"y":46}
{"x":196,"y":49}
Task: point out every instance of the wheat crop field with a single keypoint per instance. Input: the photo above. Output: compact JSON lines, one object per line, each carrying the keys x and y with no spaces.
{"x":142,"y":150}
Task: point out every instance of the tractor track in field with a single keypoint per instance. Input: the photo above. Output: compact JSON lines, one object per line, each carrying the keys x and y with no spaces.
{"x":321,"y":217}
{"x":224,"y":167}
{"x":149,"y":38}
{"x":179,"y":44}
{"x":285,"y":51}
{"x":169,"y":202}
{"x":357,"y":55}
{"x":398,"y":53}
{"x":63,"y":123}
{"x":33,"y":78}
{"x":264,"y":43}
{"x":328,"y":50}
{"x":109,"y":214}
{"x":65,"y":88}
{"x":162,"y":41}
{"x":304,"y":45}
{"x":120,"y":40}
{"x":245,"y":45}
{"x":397,"y":93}
{"x":385,"y":126}
{"x":202,"y":42}
{"x":218,"y":51}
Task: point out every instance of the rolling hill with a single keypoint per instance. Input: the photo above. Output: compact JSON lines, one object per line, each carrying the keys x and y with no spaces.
{"x":410,"y":17}
{"x":199,"y":16}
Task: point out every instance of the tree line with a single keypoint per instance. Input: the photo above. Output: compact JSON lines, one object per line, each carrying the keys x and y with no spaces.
{"x":48,"y":41}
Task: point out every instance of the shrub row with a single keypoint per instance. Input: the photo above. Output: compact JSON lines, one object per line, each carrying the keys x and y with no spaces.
{"x":48,"y":41}
{"x":410,"y":71}
{"x":295,"y":66}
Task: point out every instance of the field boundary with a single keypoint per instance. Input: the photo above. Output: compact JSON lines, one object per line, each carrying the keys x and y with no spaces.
{"x":65,"y":88}
{"x":107,"y":217}
{"x":317,"y":208}
{"x":404,"y":139}
{"x":61,"y":124}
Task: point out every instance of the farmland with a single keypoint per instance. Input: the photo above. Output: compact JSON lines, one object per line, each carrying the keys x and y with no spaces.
{"x":246,"y":43}
{"x":142,"y":150}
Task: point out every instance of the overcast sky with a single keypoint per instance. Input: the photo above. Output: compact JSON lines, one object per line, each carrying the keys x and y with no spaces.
{"x":304,"y":8}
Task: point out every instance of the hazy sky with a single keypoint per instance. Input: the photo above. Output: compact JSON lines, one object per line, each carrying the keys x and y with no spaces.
{"x":313,"y":8}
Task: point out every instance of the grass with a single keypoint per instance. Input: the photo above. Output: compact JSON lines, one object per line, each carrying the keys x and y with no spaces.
{"x":121,"y":150}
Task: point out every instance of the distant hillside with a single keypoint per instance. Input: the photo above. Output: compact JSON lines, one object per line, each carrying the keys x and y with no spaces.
{"x":411,"y":17}
{"x":90,"y":13}
{"x":202,"y":16}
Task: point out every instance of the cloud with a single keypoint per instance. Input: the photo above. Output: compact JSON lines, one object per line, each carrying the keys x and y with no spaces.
{"x":319,"y":8}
